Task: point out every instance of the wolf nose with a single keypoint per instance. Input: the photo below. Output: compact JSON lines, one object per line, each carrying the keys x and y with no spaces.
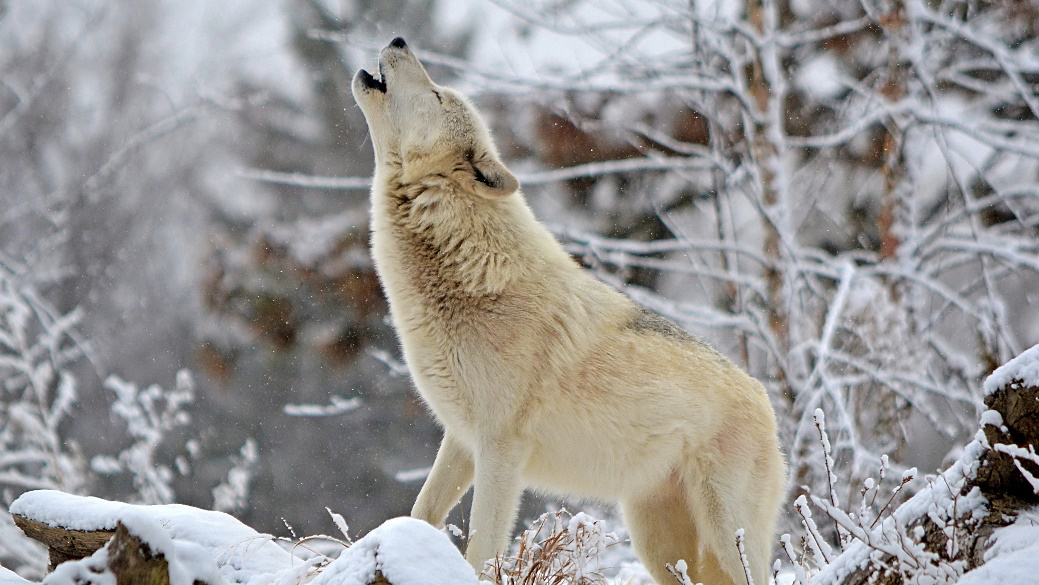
{"x":398,"y":43}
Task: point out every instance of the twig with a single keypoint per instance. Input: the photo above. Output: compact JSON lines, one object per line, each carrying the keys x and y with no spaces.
{"x":831,"y":479}
{"x":743,"y":556}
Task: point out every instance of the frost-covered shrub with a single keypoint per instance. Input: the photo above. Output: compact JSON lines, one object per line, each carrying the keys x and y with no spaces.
{"x":150,"y":414}
{"x":232,"y":495}
{"x":891,"y":544}
{"x":556,"y":549}
{"x":38,"y":394}
{"x":153,"y":416}
{"x":36,"y":390}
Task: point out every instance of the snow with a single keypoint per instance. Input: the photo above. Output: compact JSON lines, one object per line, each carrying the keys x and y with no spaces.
{"x":89,"y":570}
{"x":406,"y":551}
{"x":337,"y":405}
{"x":144,"y":528}
{"x":1024,"y":368}
{"x":410,"y":475}
{"x":992,"y":418}
{"x":193,"y":563}
{"x":8,"y":577}
{"x":821,"y":77}
{"x":213,"y":547}
{"x":1013,"y":557}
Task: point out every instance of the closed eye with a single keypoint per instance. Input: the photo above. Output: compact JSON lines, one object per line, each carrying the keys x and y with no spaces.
{"x":437,"y":93}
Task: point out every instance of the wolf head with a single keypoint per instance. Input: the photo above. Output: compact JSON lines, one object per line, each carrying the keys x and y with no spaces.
{"x":422,"y":128}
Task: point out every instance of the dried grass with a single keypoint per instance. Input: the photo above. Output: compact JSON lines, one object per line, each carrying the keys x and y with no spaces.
{"x":557,"y":549}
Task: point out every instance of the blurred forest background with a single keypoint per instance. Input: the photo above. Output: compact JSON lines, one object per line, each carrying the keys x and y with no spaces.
{"x":841,"y":196}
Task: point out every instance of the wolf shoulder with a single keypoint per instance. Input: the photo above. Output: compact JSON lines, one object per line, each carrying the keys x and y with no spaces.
{"x":642,"y":321}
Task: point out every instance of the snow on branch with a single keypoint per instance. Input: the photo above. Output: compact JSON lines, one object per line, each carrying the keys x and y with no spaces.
{"x":37,"y":393}
{"x":599,"y":169}
{"x":307,"y":181}
{"x":150,"y":414}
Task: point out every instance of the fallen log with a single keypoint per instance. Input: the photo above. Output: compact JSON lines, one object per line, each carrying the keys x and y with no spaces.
{"x":145,"y":545}
{"x":129,"y":559}
{"x":63,"y":544}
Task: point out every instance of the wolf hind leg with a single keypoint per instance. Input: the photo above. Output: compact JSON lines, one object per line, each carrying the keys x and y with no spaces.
{"x":662,"y":530}
{"x":724,"y":501}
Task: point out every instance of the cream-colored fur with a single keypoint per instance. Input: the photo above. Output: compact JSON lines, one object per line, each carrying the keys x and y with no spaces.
{"x":541,"y":375}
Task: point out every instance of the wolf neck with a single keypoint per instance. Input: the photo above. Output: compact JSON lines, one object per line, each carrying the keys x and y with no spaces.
{"x":449,"y":241}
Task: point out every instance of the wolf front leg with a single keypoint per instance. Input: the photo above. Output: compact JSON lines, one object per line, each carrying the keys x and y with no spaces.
{"x":496,"y":497}
{"x":450,"y":478}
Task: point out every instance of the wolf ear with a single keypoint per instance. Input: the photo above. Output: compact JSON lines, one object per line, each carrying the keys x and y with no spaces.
{"x":492,"y":180}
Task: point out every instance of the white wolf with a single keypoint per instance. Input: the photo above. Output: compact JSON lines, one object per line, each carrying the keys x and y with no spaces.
{"x":540,"y":374}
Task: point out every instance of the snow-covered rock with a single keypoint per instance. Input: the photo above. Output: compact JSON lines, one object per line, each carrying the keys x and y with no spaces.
{"x":938,"y":535}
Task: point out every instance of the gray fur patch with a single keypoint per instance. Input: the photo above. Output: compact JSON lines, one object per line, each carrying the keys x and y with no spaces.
{"x":645,"y":321}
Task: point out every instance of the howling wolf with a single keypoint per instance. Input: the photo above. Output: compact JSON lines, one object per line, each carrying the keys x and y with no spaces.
{"x":540,"y":374}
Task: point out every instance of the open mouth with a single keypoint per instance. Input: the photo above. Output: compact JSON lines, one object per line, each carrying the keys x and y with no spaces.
{"x":373,"y":82}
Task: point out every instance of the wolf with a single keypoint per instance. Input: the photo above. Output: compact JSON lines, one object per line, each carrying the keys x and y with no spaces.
{"x":541,"y":375}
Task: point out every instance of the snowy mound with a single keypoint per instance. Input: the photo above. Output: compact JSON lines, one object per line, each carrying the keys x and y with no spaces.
{"x":406,"y":551}
{"x":1024,"y":367}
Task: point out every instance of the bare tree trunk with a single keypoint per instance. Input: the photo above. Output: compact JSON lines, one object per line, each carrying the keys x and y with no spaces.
{"x":765,"y":134}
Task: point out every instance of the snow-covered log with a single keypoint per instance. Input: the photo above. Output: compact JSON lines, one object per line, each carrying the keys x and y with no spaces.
{"x":186,"y":544}
{"x":978,"y":521}
{"x":97,"y":541}
{"x":64,"y":544}
{"x":126,"y":556}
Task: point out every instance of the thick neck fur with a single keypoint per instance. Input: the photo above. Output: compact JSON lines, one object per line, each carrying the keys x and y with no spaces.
{"x":453,"y":242}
